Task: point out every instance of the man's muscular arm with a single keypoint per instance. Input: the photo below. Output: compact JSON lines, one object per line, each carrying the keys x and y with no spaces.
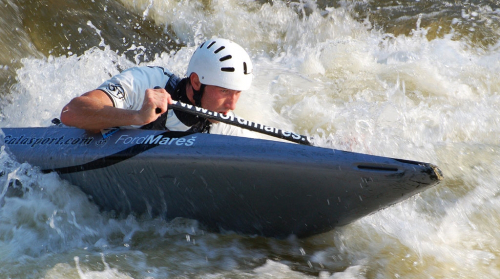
{"x":94,"y":110}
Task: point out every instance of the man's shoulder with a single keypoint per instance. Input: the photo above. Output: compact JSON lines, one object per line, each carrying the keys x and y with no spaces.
{"x":145,"y":77}
{"x":148,"y":70}
{"x":165,"y":71}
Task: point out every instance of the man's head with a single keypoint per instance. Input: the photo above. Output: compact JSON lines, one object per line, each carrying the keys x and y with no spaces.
{"x":222,"y":63}
{"x":218,"y":71}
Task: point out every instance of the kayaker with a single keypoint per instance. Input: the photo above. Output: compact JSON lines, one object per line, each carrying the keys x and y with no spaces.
{"x":138,"y":97}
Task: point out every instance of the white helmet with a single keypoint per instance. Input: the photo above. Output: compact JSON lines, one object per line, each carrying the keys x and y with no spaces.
{"x":222,"y":63}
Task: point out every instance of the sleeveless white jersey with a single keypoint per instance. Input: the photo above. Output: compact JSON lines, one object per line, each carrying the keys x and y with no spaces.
{"x":127,"y":91}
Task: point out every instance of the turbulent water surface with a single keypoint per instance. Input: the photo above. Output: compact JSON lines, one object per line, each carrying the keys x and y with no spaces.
{"x":416,"y":80}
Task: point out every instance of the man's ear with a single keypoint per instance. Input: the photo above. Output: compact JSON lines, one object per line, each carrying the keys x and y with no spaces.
{"x":195,"y":81}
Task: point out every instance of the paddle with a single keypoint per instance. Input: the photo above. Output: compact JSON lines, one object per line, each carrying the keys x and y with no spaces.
{"x":240,"y":122}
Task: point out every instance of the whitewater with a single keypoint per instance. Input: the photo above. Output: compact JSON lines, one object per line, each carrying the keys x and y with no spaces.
{"x":416,"y":80}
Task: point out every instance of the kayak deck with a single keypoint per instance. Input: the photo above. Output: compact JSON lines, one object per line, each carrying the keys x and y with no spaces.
{"x":245,"y":185}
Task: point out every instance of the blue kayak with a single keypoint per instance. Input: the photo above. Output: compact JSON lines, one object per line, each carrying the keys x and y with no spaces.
{"x":245,"y":185}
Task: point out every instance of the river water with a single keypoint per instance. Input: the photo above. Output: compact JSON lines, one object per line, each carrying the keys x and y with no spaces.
{"x":415,"y":80}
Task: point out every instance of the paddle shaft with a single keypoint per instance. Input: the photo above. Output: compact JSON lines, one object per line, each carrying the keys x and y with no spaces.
{"x":236,"y":121}
{"x":240,"y":122}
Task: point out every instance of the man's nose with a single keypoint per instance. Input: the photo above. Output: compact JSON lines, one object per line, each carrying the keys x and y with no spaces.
{"x":231,"y":101}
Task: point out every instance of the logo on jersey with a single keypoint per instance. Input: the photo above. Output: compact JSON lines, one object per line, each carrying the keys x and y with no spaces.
{"x":117,"y":90}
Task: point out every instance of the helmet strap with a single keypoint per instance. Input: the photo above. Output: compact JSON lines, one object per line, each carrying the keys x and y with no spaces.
{"x":197,"y":94}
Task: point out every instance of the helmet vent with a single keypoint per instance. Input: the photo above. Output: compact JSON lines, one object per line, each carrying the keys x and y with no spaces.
{"x":227,"y":69}
{"x":211,"y":44}
{"x":219,"y":49}
{"x":245,"y":70}
{"x":227,"y":57}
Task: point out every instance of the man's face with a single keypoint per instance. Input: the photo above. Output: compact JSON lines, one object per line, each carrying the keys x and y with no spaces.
{"x":219,"y":99}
